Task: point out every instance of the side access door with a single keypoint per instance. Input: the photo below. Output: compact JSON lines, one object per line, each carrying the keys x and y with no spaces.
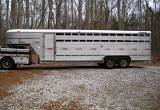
{"x":49,"y":47}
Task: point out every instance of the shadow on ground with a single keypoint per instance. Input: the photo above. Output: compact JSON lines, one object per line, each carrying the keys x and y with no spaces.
{"x":68,"y":67}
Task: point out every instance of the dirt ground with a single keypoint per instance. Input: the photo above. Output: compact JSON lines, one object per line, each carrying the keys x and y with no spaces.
{"x":80,"y":88}
{"x":16,"y":77}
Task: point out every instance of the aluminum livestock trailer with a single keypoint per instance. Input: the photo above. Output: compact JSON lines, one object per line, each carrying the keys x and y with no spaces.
{"x":110,"y":48}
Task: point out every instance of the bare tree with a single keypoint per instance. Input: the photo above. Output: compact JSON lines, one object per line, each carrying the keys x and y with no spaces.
{"x":64,"y":15}
{"x":140,"y":14}
{"x":123,"y":16}
{"x":20,"y":13}
{"x":87,"y":14}
{"x":50,"y":17}
{"x":72,"y":14}
{"x":27,"y":14}
{"x":79,"y":14}
{"x":43,"y":11}
{"x":1,"y":25}
{"x":119,"y":14}
{"x":14,"y":14}
{"x":33,"y":12}
{"x":7,"y":15}
{"x":1,"y":20}
{"x":1,"y":16}
{"x":91,"y":14}
{"x":58,"y":13}
{"x":107,"y":11}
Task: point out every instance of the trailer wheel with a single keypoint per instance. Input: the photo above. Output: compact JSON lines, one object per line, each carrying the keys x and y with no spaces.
{"x":124,"y":62}
{"x":109,"y":63}
{"x":7,"y":63}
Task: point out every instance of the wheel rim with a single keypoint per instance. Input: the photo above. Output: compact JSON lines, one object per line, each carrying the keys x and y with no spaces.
{"x":110,"y":63}
{"x":124,"y":63}
{"x":6,"y":64}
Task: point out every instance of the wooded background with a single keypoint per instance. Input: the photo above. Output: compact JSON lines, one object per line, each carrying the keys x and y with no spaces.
{"x":83,"y":14}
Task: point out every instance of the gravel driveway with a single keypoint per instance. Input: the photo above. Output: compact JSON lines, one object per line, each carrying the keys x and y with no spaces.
{"x":87,"y":88}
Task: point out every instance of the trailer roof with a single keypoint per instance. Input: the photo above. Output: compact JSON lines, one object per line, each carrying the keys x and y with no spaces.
{"x":65,"y":31}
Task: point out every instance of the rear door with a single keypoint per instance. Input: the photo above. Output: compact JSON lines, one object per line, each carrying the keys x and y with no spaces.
{"x":49,"y":47}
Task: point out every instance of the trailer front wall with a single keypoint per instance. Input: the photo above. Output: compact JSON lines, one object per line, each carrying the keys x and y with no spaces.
{"x":34,"y":39}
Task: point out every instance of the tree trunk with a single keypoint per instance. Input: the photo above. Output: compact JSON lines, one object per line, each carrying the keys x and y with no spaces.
{"x":1,"y":26}
{"x":72,"y":14}
{"x":124,"y":11}
{"x":106,"y":13}
{"x":80,"y":14}
{"x":65,"y":19}
{"x":7,"y":16}
{"x":43,"y":11}
{"x":96,"y":14}
{"x":58,"y":13}
{"x":27,"y":14}
{"x":2,"y":35}
{"x":50,"y":17}
{"x":87,"y":17}
{"x":20,"y":13}
{"x":140,"y":14}
{"x":119,"y":14}
{"x":14,"y":14}
{"x":91,"y":14}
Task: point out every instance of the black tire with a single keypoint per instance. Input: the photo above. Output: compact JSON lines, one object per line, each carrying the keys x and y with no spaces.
{"x":124,"y":63}
{"x":109,"y":63}
{"x":7,"y":63}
